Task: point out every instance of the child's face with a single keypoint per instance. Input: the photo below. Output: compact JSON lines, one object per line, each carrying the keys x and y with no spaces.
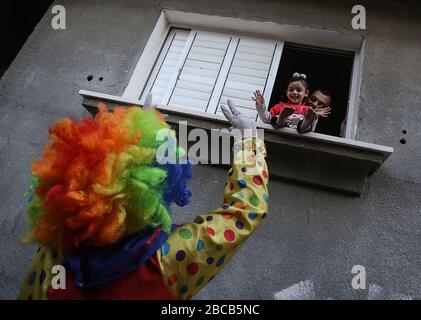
{"x":296,"y":92}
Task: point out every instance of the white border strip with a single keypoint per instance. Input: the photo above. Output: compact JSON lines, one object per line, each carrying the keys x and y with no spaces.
{"x":267,"y":29}
{"x":354,"y":95}
{"x":146,"y":62}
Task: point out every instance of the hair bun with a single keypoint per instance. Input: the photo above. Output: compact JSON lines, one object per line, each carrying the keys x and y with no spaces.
{"x":299,"y":75}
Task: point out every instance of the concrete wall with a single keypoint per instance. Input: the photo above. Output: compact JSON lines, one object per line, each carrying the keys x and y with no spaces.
{"x":309,"y":234}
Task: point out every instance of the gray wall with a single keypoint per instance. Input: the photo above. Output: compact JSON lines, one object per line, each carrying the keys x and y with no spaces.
{"x":309,"y":234}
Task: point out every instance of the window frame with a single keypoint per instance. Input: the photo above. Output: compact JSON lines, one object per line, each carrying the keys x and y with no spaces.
{"x":267,"y":30}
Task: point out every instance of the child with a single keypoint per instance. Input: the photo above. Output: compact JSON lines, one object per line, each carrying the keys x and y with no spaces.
{"x":293,"y":113}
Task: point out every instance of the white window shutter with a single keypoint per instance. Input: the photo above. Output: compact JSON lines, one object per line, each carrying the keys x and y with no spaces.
{"x":166,"y":65}
{"x":200,"y":71}
{"x":253,"y":67}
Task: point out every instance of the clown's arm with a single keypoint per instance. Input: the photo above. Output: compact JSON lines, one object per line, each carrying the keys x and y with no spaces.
{"x":195,"y":252}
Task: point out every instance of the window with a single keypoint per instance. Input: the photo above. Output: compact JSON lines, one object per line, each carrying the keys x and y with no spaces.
{"x":325,"y":69}
{"x":195,"y":70}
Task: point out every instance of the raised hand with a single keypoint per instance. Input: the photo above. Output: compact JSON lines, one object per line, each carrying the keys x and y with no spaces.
{"x":322,"y":112}
{"x":238,"y":121}
{"x":258,"y":98}
{"x":264,"y":115}
{"x":148,"y":102}
{"x":148,"y":105}
{"x":285,"y":113}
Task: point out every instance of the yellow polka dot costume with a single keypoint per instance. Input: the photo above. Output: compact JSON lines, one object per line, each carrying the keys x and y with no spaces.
{"x":195,"y":252}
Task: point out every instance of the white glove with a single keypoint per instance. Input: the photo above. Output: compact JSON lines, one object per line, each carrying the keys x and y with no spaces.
{"x":148,"y":104}
{"x":242,"y":126}
{"x":264,"y":115}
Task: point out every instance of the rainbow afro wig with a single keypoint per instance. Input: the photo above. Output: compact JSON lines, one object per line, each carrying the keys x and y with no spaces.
{"x":102,"y":179}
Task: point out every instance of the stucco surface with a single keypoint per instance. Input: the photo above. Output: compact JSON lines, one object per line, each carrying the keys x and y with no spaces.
{"x":309,"y":234}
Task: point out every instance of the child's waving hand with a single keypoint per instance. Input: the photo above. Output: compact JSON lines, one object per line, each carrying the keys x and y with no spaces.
{"x":258,"y":98}
{"x":264,"y":115}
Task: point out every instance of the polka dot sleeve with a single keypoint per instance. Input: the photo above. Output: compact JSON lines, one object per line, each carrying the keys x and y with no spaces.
{"x":195,"y":252}
{"x":39,"y":276}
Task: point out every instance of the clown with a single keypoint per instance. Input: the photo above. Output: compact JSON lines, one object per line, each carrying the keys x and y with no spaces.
{"x":101,"y":209}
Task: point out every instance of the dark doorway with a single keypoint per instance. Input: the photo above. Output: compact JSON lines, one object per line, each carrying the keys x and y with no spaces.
{"x":17,"y":20}
{"x":327,"y":69}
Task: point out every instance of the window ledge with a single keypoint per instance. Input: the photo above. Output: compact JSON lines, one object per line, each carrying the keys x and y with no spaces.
{"x":315,"y":159}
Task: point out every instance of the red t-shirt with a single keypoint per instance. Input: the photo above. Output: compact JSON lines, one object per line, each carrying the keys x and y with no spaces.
{"x":293,"y":120}
{"x":299,"y":108}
